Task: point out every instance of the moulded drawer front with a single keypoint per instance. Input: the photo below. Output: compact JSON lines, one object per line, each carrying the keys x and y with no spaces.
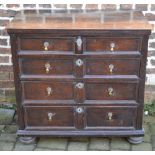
{"x":111,"y":91}
{"x":48,"y":90}
{"x":112,"y":44}
{"x":52,"y":44}
{"x":112,"y":66}
{"x":47,"y":116}
{"x":111,"y":116}
{"x":46,"y":66}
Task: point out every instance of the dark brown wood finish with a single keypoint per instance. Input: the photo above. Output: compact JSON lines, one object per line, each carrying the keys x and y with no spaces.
{"x":46,"y":67}
{"x":120,"y":44}
{"x":80,"y":74}
{"x":112,"y":66}
{"x":62,"y":117}
{"x":121,"y":117}
{"x":18,"y":88}
{"x":100,"y":91}
{"x":39,"y":90}
{"x":142,"y":82}
{"x":67,"y":44}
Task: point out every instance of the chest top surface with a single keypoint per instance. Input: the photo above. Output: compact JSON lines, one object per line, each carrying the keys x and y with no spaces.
{"x":96,"y":20}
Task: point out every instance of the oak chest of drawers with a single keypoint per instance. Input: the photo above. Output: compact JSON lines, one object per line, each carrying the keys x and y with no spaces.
{"x":80,"y":74}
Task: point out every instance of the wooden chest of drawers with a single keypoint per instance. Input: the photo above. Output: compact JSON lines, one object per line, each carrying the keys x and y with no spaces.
{"x":80,"y":74}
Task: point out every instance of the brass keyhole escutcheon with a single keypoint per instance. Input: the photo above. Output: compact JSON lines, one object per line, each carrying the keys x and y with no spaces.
{"x":79,"y":43}
{"x":79,"y":110}
{"x":79,"y":85}
{"x":79,"y":62}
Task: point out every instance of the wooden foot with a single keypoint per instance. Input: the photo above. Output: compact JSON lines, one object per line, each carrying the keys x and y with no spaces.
{"x":135,"y":140}
{"x":27,"y":140}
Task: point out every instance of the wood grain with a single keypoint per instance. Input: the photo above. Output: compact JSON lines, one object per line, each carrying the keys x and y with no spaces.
{"x":129,"y":30}
{"x":107,"y":20}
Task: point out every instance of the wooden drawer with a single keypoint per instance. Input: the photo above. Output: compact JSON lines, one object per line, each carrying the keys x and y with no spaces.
{"x":111,"y":117}
{"x":47,"y":116}
{"x":112,"y":66}
{"x":52,"y":44}
{"x":48,"y":90}
{"x":112,"y":44}
{"x":46,"y":66}
{"x":110,"y":91}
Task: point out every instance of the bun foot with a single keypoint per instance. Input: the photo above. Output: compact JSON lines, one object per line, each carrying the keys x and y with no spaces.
{"x":27,"y":140}
{"x":135,"y":140}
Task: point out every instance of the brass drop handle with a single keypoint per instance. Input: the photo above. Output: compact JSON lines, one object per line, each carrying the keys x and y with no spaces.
{"x":79,"y":43}
{"x":112,"y":46}
{"x":79,"y":62}
{"x":46,"y":44}
{"x":49,"y":91}
{"x":110,"y":115}
{"x":79,"y":85}
{"x":50,"y":115}
{"x":47,"y":67}
{"x":79,"y":110}
{"x":110,"y":91}
{"x":111,"y":68}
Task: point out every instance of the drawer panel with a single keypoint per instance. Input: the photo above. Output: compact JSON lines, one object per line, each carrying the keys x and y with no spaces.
{"x":49,"y":116}
{"x":112,"y":44}
{"x":46,"y":66}
{"x":52,"y":44}
{"x":48,"y":90}
{"x":112,"y":66}
{"x":111,"y":116}
{"x":111,"y":91}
